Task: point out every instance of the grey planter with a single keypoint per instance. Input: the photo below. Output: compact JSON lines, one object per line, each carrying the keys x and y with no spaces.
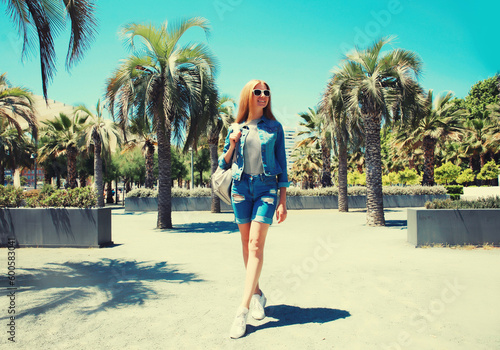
{"x":56,"y":227}
{"x":453,"y":226}
{"x":292,"y":202}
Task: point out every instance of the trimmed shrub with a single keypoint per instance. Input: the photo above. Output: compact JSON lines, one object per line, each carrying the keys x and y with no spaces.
{"x":80,"y":197}
{"x":296,"y":191}
{"x":446,"y":173}
{"x":143,"y":192}
{"x":480,"y":203}
{"x":466,"y":176}
{"x":10,"y":197}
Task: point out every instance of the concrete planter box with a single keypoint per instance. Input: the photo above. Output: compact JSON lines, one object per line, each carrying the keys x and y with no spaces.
{"x":178,"y":204}
{"x":356,"y":202}
{"x":293,"y":202}
{"x":453,"y":226}
{"x":56,"y":227}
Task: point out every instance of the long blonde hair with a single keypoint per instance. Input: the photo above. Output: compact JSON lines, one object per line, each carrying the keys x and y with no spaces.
{"x":245,"y":96}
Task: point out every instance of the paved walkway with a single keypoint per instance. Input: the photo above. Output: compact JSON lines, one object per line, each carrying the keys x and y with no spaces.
{"x":332,"y":283}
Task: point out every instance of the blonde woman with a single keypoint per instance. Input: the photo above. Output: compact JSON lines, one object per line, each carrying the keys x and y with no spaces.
{"x":259,"y":170}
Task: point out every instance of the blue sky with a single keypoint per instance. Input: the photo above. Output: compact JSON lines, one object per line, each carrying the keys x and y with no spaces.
{"x":293,"y":45}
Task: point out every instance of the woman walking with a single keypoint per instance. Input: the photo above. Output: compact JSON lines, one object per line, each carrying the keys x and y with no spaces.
{"x":255,"y":150}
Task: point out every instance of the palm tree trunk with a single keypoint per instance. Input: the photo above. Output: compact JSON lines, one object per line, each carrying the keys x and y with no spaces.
{"x":215,"y":207}
{"x":98,"y":181}
{"x":343,"y":200}
{"x":429,"y":144}
{"x":374,"y":196}
{"x":71,"y":152}
{"x":164,"y":173}
{"x":326,"y":176}
{"x":150,"y":152}
{"x":2,"y":174}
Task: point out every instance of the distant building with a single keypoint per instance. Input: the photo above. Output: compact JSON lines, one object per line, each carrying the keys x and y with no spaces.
{"x":29,"y":174}
{"x":290,"y":139}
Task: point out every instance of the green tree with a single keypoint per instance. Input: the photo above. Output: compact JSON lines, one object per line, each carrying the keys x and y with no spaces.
{"x":306,"y":165}
{"x":98,"y":132}
{"x":482,"y":94}
{"x":37,"y":21}
{"x":489,"y":171}
{"x":174,"y":75}
{"x":15,"y":149}
{"x":408,"y":177}
{"x":332,"y":107}
{"x":319,"y":136}
{"x":378,"y":86}
{"x":447,"y":173}
{"x":63,"y":136}
{"x":17,"y":102}
{"x":434,"y":124}
{"x":466,"y":176}
{"x":216,"y":132}
{"x":201,"y":163}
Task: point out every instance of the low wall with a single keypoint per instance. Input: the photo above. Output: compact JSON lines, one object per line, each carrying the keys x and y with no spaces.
{"x":292,"y":202}
{"x":55,"y":227}
{"x":453,"y":226}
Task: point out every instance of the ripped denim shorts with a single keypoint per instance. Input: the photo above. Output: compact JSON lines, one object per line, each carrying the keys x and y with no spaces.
{"x":254,"y":198}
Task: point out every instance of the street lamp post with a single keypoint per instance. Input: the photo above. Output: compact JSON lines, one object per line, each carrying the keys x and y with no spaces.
{"x":33,"y":156}
{"x":192,"y":172}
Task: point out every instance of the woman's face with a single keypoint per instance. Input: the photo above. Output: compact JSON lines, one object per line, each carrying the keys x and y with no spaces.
{"x":262,"y":100}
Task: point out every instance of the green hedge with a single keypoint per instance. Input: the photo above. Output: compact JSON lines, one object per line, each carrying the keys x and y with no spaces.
{"x":295,"y":191}
{"x":80,"y":197}
{"x":481,"y":203}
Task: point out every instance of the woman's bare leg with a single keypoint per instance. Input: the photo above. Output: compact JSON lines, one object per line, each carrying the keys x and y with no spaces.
{"x":253,"y":254}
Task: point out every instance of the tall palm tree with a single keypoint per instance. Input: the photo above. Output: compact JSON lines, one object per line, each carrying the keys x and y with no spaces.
{"x":217,"y":125}
{"x":174,"y":75}
{"x":332,"y":106}
{"x":63,"y":136}
{"x":37,"y":21}
{"x":380,"y":85}
{"x":98,"y":132}
{"x":318,"y":131}
{"x":17,"y":102}
{"x":435,"y":124}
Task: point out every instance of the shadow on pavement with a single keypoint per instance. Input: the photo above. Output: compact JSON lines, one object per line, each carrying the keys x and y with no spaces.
{"x":95,"y":286}
{"x":206,"y":227}
{"x":397,"y":223}
{"x":287,"y":315}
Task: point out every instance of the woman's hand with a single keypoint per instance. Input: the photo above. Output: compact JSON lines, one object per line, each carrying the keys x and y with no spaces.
{"x":234,"y":137}
{"x":281,"y":213}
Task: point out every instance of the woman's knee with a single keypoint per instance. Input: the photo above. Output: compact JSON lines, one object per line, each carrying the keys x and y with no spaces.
{"x":256,"y":247}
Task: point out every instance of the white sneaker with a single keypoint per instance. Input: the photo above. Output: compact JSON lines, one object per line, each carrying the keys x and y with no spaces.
{"x":239,"y":326}
{"x":257,"y":305}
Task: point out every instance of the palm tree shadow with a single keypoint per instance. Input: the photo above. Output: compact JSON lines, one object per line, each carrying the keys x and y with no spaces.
{"x":207,"y":227}
{"x":95,"y":286}
{"x":287,"y":315}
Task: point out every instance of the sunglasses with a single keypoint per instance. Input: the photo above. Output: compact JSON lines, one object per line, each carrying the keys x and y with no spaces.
{"x":258,"y":92}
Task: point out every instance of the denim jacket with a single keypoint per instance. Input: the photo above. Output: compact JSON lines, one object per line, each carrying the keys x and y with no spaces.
{"x":272,"y":140}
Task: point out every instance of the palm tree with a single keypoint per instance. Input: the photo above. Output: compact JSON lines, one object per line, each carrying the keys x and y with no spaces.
{"x":174,"y":76}
{"x":378,"y":86}
{"x":17,"y":102}
{"x":63,"y":136}
{"x":333,"y":108}
{"x":217,"y":125}
{"x":15,"y":150}
{"x":435,"y":124}
{"x":46,"y":18}
{"x":478,"y":139}
{"x":306,"y":165}
{"x":98,"y":132}
{"x":318,"y":131}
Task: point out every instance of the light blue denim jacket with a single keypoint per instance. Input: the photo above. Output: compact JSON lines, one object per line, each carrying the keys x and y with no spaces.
{"x":272,"y":140}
